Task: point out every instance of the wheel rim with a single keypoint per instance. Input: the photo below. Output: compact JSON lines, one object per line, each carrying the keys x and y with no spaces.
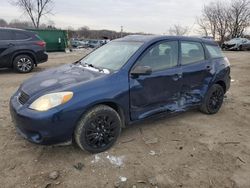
{"x":24,"y":64}
{"x":101,"y":131}
{"x":216,"y":99}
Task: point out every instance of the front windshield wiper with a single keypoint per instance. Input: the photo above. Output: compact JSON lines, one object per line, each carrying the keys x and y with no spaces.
{"x":91,"y":65}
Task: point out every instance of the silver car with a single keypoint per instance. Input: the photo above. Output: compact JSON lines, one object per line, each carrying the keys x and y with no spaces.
{"x":235,"y":44}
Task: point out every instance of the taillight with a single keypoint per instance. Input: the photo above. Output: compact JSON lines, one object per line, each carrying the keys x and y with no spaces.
{"x":41,"y":43}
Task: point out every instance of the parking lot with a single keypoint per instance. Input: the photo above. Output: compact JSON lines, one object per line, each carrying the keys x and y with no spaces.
{"x":188,"y":150}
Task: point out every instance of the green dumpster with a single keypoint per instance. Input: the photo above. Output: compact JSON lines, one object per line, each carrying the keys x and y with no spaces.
{"x":56,"y":40}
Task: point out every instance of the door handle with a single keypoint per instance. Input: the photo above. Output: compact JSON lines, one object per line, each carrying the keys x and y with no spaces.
{"x":11,"y":44}
{"x":177,"y":76}
{"x":209,"y":67}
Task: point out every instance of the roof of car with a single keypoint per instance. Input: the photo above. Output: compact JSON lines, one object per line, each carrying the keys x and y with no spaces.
{"x":10,"y":28}
{"x":16,"y":29}
{"x":149,"y":38}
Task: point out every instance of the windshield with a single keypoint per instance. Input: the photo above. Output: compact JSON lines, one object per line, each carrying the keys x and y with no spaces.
{"x":111,"y":56}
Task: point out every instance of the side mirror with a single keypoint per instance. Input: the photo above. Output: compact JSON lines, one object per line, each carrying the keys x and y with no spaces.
{"x":141,"y":70}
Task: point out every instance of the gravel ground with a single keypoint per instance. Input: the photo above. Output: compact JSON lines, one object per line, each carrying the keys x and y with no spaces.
{"x":188,"y":150}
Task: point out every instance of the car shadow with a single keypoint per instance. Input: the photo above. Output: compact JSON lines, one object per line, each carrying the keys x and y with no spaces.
{"x":6,"y":71}
{"x":162,"y":118}
{"x":11,"y":71}
{"x":129,"y":130}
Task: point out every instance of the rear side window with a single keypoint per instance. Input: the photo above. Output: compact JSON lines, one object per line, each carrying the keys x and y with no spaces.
{"x":21,"y":36}
{"x":191,"y":52}
{"x":5,"y":35}
{"x":38,"y":37}
{"x":214,"y":51}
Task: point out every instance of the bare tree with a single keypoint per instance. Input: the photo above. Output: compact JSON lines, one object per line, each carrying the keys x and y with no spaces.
{"x":223,"y":20}
{"x":209,"y":18}
{"x":20,"y":24}
{"x":203,"y":28}
{"x":239,"y":17}
{"x":35,"y":9}
{"x":3,"y":23}
{"x":214,"y":20}
{"x":83,"y":32}
{"x":178,"y":30}
{"x":222,"y":23}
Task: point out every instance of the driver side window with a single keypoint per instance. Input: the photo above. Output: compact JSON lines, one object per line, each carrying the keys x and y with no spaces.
{"x":161,"y":56}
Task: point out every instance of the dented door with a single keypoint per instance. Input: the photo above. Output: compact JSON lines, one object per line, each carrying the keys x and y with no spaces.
{"x":197,"y":73}
{"x":160,"y":91}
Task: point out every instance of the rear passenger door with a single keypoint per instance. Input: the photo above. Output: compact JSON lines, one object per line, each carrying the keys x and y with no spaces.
{"x":196,"y":71}
{"x":6,"y":42}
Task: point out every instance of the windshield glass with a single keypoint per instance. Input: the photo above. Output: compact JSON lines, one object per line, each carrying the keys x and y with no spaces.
{"x":111,"y":56}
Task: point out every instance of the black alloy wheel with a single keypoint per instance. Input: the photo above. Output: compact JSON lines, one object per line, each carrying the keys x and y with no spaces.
{"x":98,"y":129}
{"x":213,"y":100}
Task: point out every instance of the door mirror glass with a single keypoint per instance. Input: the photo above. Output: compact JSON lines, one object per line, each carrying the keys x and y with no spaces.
{"x":141,"y":70}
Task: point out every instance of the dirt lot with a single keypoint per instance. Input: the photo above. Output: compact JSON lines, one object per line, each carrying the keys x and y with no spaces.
{"x":189,"y":150}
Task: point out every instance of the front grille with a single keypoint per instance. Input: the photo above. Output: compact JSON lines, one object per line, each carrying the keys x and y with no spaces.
{"x":23,"y":97}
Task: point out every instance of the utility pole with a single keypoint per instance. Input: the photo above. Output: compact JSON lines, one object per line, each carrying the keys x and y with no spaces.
{"x":121,"y":31}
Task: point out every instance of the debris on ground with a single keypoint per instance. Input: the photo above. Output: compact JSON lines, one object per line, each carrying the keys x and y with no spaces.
{"x":78,"y":166}
{"x":54,"y":175}
{"x":180,"y":148}
{"x":151,"y":141}
{"x":123,"y":179}
{"x":241,"y":160}
{"x":96,"y":159}
{"x":152,"y":181}
{"x":47,"y":185}
{"x":141,"y":181}
{"x":128,"y":140}
{"x":224,"y":143}
{"x":118,"y":161}
{"x":148,"y":140}
{"x":120,"y":182}
{"x":152,"y":153}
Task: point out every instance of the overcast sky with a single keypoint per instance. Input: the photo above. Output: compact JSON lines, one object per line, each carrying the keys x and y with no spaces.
{"x":150,"y":16}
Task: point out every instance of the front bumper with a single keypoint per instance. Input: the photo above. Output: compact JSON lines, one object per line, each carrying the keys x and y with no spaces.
{"x":51,"y":127}
{"x":230,"y":46}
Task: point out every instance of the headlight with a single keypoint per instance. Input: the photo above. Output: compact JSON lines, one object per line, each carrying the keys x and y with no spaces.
{"x":51,"y":100}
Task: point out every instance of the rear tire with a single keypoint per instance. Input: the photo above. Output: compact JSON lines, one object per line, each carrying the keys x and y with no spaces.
{"x":23,"y":64}
{"x":98,"y":129}
{"x":213,"y":100}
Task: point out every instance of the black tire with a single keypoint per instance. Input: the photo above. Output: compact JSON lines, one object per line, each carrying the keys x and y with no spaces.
{"x":98,"y":129}
{"x":23,"y":64}
{"x":240,"y":48}
{"x":213,"y":100}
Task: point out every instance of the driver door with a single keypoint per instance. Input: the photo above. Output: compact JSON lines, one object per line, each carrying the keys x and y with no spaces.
{"x":159,"y":91}
{"x":6,"y":42}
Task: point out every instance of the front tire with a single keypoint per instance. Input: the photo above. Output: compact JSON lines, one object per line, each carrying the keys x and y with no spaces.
{"x":23,"y":64}
{"x":213,"y":100}
{"x":98,"y":129}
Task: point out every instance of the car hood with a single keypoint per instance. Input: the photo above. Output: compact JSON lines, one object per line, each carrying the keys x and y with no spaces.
{"x":61,"y":77}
